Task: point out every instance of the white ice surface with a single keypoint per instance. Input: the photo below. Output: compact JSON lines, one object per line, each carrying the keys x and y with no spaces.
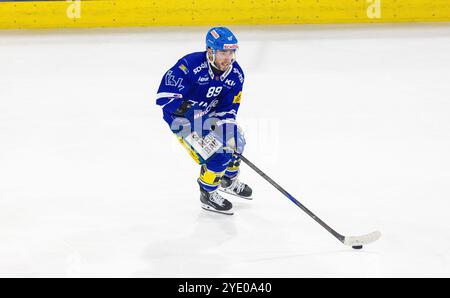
{"x":354,"y":121}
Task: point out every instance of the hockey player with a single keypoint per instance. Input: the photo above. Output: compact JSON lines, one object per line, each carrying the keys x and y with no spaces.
{"x":200,"y":97}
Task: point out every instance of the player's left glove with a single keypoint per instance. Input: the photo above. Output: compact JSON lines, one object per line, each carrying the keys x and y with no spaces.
{"x":230,"y":134}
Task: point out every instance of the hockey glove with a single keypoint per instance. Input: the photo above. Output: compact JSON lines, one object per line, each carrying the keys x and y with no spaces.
{"x":230,"y":134}
{"x":183,"y":120}
{"x":185,"y":110}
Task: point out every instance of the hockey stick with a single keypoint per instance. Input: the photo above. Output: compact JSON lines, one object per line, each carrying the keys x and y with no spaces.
{"x":355,"y":242}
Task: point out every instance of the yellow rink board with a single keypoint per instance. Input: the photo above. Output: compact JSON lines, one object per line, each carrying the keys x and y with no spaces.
{"x":123,"y":13}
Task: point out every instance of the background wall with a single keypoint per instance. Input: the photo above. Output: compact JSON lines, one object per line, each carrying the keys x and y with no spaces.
{"x":76,"y":13}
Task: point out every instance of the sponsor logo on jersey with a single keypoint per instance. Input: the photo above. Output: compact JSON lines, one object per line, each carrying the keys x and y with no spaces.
{"x":214,"y":33}
{"x":203,"y":80}
{"x":230,"y":46}
{"x":230,"y":83}
{"x":199,"y":68}
{"x":237,"y":98}
{"x":183,"y":68}
{"x":208,"y":109}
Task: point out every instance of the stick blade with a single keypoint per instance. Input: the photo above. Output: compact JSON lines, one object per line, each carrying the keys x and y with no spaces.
{"x":362,"y":240}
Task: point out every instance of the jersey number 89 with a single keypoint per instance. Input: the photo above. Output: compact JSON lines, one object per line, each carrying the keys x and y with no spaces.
{"x":213,"y":91}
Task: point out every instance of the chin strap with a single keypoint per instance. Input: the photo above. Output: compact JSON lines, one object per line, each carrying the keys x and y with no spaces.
{"x":213,"y":59}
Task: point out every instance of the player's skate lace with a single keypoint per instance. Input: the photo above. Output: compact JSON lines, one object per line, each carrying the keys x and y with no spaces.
{"x":217,"y":198}
{"x":237,"y":186}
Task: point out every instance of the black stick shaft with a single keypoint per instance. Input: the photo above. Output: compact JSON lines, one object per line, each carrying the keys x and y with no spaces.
{"x":283,"y":191}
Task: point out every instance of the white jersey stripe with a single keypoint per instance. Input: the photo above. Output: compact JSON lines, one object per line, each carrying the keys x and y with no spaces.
{"x":168,"y":95}
{"x":233,"y":112}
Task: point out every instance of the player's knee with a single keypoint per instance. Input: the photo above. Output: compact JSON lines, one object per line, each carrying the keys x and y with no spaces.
{"x":210,"y":178}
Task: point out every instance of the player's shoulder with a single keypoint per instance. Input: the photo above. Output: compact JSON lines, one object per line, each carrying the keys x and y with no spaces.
{"x":238,"y":73}
{"x":192,"y":63}
{"x":191,"y":60}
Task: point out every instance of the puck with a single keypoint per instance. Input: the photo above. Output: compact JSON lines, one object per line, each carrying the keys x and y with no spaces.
{"x":357,"y":247}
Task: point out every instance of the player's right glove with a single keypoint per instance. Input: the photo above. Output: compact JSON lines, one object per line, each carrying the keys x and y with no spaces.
{"x":183,"y":119}
{"x":185,"y":110}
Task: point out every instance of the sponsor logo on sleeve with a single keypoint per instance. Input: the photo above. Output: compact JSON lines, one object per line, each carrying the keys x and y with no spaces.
{"x":237,"y":98}
{"x":170,"y":80}
{"x":183,"y":68}
{"x":239,"y":74}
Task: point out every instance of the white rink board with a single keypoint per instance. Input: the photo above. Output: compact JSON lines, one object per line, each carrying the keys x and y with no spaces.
{"x":353,"y":120}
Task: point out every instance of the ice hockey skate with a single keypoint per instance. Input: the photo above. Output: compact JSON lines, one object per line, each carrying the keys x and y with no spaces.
{"x":235,"y":187}
{"x":213,"y":201}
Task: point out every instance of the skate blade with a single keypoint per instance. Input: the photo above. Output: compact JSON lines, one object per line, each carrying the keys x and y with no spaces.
{"x":233,"y":194}
{"x":211,"y":209}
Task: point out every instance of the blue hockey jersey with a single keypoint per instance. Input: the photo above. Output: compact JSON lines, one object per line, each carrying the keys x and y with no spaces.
{"x":192,"y":78}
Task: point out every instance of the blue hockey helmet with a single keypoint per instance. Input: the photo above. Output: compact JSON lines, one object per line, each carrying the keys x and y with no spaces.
{"x":221,"y":38}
